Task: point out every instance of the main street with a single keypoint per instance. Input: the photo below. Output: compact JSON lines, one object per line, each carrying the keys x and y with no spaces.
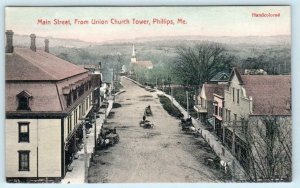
{"x":161,"y":154}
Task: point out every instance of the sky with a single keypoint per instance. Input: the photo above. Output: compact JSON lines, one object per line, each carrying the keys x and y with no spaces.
{"x":204,"y":21}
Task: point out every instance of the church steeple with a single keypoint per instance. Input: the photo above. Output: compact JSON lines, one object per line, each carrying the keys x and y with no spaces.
{"x":133,"y":51}
{"x":133,"y":58}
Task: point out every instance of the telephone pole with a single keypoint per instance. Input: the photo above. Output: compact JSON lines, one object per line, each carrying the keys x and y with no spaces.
{"x":172,"y":95}
{"x":187,"y":104}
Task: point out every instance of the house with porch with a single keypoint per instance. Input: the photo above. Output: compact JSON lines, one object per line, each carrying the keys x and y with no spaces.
{"x":47,"y":100}
{"x":204,"y":104}
{"x":218,"y":105}
{"x":252,"y":98}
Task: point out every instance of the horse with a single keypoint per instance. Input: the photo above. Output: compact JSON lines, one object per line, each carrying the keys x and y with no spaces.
{"x":224,"y":165}
{"x":193,"y":129}
{"x":197,"y":132}
{"x":212,"y":162}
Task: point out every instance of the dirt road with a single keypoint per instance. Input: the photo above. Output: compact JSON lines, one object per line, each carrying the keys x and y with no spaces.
{"x":161,"y":154}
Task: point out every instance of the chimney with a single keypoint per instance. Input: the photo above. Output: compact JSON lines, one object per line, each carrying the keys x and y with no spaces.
{"x":32,"y":45}
{"x":47,"y":45}
{"x":9,"y":41}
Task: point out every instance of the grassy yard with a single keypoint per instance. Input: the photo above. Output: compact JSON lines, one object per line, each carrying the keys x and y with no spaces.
{"x":179,"y":93}
{"x":169,"y":107}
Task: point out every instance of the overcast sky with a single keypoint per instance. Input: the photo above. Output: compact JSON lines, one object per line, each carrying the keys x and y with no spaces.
{"x":208,"y":21}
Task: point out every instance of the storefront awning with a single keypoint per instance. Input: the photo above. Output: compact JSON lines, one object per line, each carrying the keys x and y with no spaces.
{"x":211,"y":121}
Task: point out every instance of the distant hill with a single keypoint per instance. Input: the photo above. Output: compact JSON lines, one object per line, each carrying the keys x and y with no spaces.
{"x":24,"y":41}
{"x":160,"y":50}
{"x":259,"y":40}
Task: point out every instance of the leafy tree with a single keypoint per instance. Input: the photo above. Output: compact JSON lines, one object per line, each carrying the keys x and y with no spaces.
{"x":273,"y":64}
{"x":198,"y":64}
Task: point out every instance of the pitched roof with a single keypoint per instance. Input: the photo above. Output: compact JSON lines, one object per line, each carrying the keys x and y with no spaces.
{"x":220,"y":76}
{"x":235,"y":71}
{"x":210,"y":89}
{"x":44,"y":96}
{"x":38,"y":75}
{"x":25,"y":64}
{"x":271,"y":93}
{"x":145,"y":63}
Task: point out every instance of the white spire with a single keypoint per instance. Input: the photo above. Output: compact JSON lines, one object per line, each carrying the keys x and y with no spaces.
{"x":133,"y":58}
{"x":133,"y":51}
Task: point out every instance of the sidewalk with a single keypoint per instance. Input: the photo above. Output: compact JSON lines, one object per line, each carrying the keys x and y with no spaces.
{"x":237,"y":170}
{"x":78,"y":172}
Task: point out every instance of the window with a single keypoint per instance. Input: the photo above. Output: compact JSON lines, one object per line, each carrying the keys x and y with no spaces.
{"x":23,"y":99}
{"x":23,"y":131}
{"x":23,"y":103}
{"x":233,"y":94}
{"x":220,"y":112}
{"x":216,"y":110}
{"x":83,"y":109}
{"x":87,"y":104}
{"x":238,"y":96}
{"x":86,"y":86}
{"x":74,"y":92}
{"x":24,"y":160}
{"x":69,"y":99}
{"x":90,"y":84}
{"x":69,"y":124}
{"x":80,"y":111}
{"x":75,"y":117}
{"x":235,"y":117}
{"x":81,"y":90}
{"x":227,"y":115}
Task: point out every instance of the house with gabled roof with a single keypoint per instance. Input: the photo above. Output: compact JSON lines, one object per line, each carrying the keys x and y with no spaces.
{"x":251,"y":98}
{"x":250,"y":95}
{"x":220,"y":77}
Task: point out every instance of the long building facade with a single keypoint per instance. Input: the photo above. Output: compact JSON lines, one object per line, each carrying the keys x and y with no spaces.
{"x":252,"y":105}
{"x":48,"y":101}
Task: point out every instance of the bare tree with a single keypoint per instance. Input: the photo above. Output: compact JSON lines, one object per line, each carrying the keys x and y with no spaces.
{"x":270,"y":148}
{"x":196,"y":65}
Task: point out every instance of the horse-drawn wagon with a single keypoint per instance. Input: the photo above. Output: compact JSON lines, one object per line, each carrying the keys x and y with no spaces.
{"x":108,"y":136}
{"x":187,"y":126}
{"x":148,"y":111}
{"x":146,"y":124}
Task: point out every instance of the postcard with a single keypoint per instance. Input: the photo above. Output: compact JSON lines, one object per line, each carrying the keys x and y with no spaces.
{"x":177,"y":94}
